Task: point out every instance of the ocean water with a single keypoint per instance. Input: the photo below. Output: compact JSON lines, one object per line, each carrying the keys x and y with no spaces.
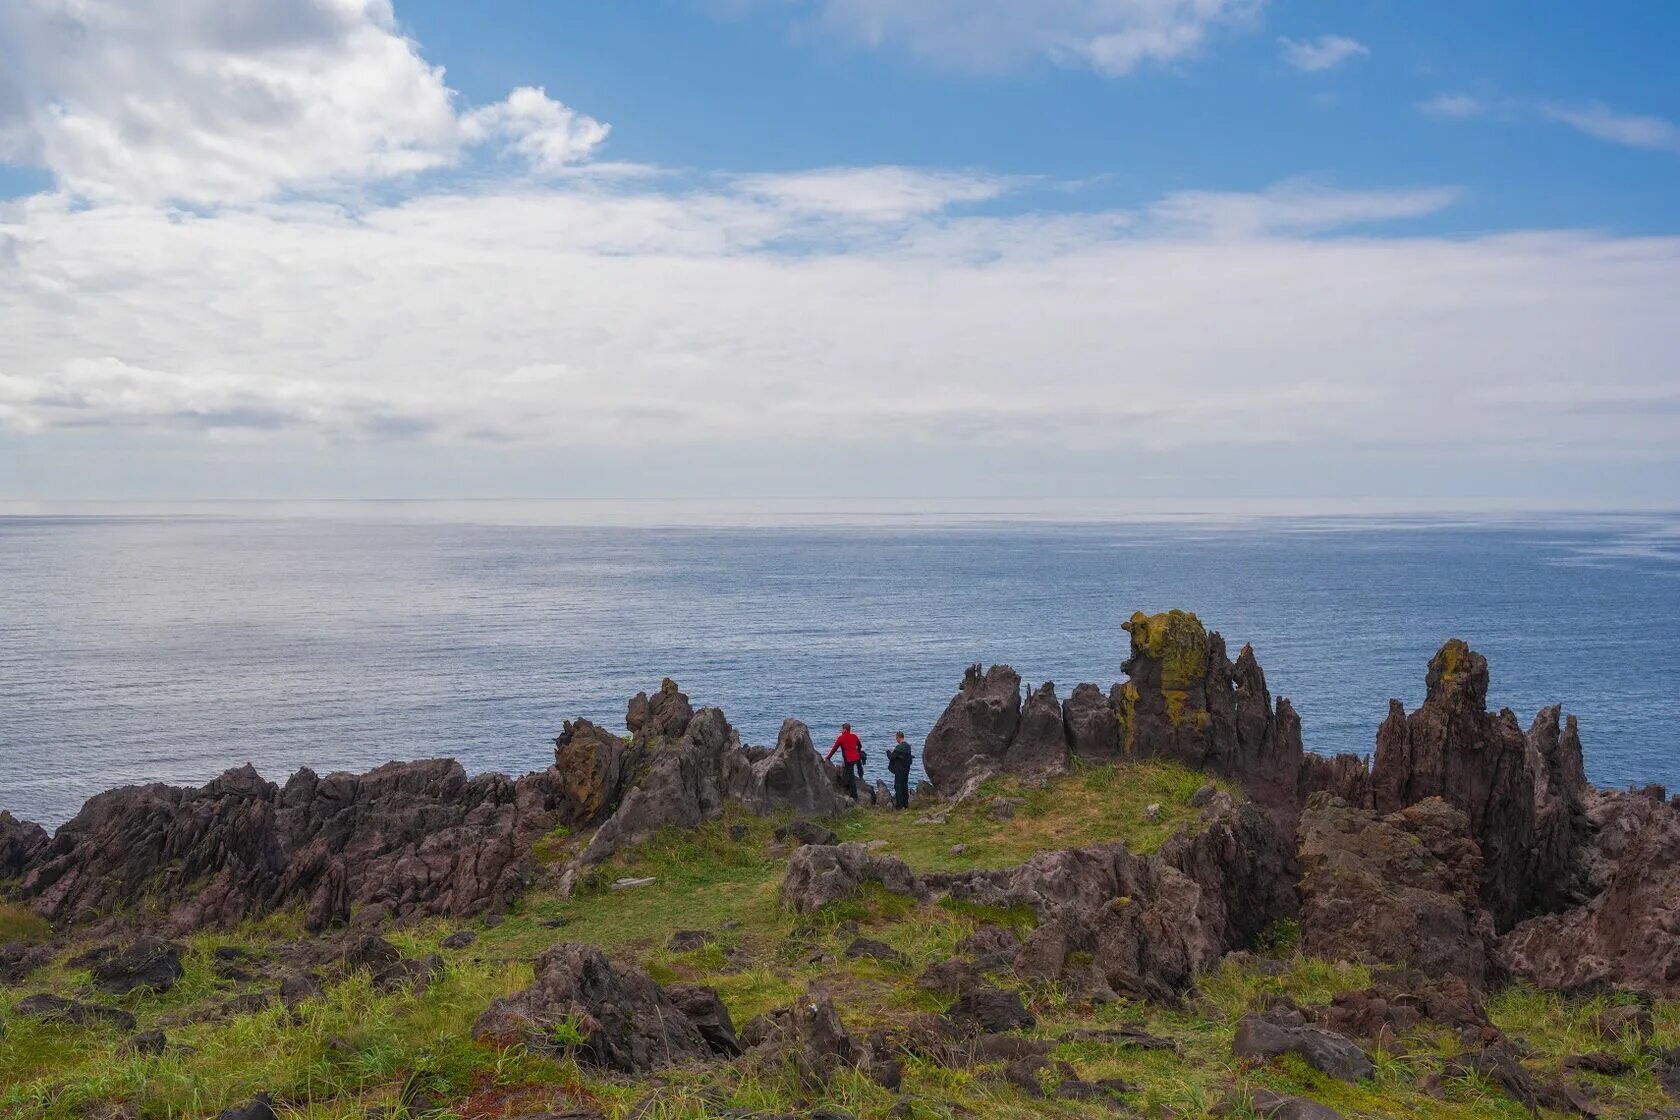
{"x":167,"y":644}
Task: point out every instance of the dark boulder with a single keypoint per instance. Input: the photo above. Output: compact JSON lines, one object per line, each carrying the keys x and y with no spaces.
{"x":1398,"y":890}
{"x":17,"y":962}
{"x":55,"y":1009}
{"x":819,"y":874}
{"x":1268,"y":1104}
{"x":621,"y":1019}
{"x":1273,"y":1035}
{"x":20,"y":843}
{"x":149,"y":963}
{"x":708,"y":1014}
{"x":810,"y":1037}
{"x":970,"y":738}
{"x":989,"y":1010}
{"x":261,"y":1108}
{"x":868,"y":948}
{"x":805,"y":832}
{"x":145,"y":1044}
{"x":301,"y":987}
{"x":460,"y":939}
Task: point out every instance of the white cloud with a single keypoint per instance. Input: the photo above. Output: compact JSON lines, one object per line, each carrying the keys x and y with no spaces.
{"x":1110,"y":36}
{"x":667,"y":316}
{"x":211,"y":101}
{"x":1292,"y":208}
{"x":1323,"y":53}
{"x":1453,"y":106}
{"x":871,"y":192}
{"x":1630,"y":130}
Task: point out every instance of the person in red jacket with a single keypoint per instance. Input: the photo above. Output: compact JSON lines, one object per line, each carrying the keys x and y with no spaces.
{"x":851,"y":756}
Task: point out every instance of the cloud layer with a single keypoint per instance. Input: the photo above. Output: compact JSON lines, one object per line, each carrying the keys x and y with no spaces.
{"x":208,"y":101}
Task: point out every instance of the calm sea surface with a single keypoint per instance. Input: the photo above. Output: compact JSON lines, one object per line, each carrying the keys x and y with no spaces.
{"x":170,"y":644}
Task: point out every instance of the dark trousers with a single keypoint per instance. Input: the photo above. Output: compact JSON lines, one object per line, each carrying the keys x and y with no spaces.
{"x":901,"y":791}
{"x":849,"y":781}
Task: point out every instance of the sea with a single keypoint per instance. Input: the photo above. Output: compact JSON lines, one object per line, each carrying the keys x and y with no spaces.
{"x":166,"y":643}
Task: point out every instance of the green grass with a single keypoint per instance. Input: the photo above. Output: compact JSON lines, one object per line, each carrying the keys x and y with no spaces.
{"x":360,"y":1052}
{"x":20,"y":924}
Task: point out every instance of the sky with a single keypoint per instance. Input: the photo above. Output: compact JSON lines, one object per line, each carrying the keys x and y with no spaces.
{"x":1156,"y":250}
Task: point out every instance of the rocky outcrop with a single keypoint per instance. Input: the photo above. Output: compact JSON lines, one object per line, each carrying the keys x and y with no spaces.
{"x":1145,"y":924}
{"x":20,"y":842}
{"x":971,"y":737}
{"x":1624,"y":937}
{"x":1040,"y":747}
{"x":1399,"y":889}
{"x":1524,"y":800}
{"x":150,"y":964}
{"x":794,"y":776}
{"x":819,"y":874}
{"x":1185,"y":700}
{"x":407,"y":838}
{"x":605,"y":1014}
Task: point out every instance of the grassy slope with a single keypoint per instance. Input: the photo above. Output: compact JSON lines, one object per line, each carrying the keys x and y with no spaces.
{"x":360,"y":1052}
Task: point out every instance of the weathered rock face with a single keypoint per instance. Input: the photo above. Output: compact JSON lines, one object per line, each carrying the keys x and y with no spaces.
{"x":20,"y":841}
{"x":1524,"y":800}
{"x":1040,"y":747}
{"x":589,"y":767}
{"x":1187,"y":701}
{"x":1092,"y":724}
{"x":1279,"y":1032}
{"x":407,"y":838}
{"x":1399,"y":889}
{"x":664,"y":715}
{"x":1625,"y":937}
{"x":970,"y":739}
{"x":622,"y":1020}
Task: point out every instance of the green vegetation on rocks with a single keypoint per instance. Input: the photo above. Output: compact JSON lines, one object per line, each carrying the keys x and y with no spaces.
{"x":366,"y":1050}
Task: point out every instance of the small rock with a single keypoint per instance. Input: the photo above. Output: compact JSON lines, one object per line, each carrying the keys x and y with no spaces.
{"x":1617,"y":1022}
{"x":1599,"y":1061}
{"x":875,"y":845}
{"x":146,"y":1043}
{"x":460,"y":939}
{"x":370,"y":952}
{"x":958,"y":849}
{"x":931,"y":818}
{"x":1203,"y":795}
{"x":300,"y":987}
{"x":259,"y":1109}
{"x":54,"y":1009}
{"x":868,"y":947}
{"x":806,"y":832}
{"x":632,"y":884}
{"x":1272,"y":1105}
{"x":688,"y":940}
{"x":1152,"y":813}
{"x":738,"y":832}
{"x":1004,"y":808}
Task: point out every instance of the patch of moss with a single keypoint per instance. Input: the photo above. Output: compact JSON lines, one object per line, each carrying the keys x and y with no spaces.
{"x":1177,"y":641}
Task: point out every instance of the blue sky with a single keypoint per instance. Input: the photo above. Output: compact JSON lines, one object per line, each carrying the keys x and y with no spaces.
{"x":1150,"y":249}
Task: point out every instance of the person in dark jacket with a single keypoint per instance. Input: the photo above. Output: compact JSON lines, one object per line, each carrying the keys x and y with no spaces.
{"x":898,"y":761}
{"x":851,"y":757}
